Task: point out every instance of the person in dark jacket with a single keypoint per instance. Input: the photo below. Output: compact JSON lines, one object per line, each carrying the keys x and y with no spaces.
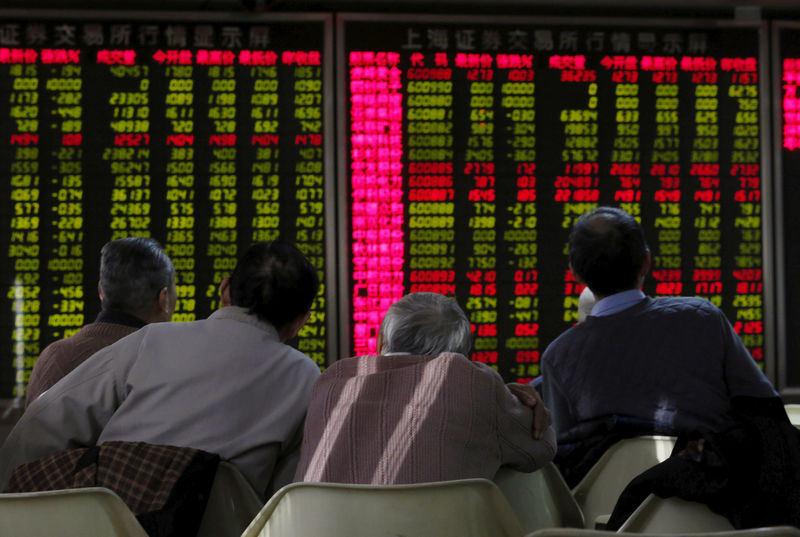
{"x":666,"y":365}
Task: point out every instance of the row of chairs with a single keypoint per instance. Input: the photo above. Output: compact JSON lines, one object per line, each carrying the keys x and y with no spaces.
{"x":96,"y":511}
{"x":467,"y":508}
{"x":774,"y":531}
{"x":591,"y":502}
{"x":515,"y":504}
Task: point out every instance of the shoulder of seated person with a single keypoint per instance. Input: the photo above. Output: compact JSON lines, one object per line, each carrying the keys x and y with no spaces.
{"x":455,"y":357}
{"x":685,"y":303}
{"x":396,"y":358}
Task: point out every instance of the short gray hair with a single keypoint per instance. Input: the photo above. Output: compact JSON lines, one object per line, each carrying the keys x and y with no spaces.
{"x":133,"y":271}
{"x":426,"y":324}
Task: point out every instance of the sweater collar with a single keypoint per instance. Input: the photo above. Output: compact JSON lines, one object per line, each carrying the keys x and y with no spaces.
{"x":119,"y":317}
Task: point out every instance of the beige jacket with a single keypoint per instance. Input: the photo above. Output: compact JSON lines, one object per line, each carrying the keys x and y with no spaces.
{"x":225,"y":385}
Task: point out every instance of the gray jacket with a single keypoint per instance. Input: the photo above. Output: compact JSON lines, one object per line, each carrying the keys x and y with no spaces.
{"x":225,"y":385}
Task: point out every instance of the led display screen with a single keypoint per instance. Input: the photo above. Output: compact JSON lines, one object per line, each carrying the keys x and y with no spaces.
{"x":786,"y":60}
{"x":473,"y":145}
{"x":207,"y":133}
{"x":467,"y":149}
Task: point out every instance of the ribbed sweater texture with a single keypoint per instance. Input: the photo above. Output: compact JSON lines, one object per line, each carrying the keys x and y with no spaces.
{"x":61,"y":357}
{"x":408,"y":419}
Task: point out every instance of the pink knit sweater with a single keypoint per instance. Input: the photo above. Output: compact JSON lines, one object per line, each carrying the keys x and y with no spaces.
{"x":411,"y":419}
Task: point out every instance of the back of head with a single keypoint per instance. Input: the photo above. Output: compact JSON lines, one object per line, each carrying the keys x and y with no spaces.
{"x":607,"y":250}
{"x":133,"y":271}
{"x":426,"y":324}
{"x":275,"y":282}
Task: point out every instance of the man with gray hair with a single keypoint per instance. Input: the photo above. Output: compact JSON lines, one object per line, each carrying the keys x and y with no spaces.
{"x":421,"y":411}
{"x":228,"y":384}
{"x":136,"y":287}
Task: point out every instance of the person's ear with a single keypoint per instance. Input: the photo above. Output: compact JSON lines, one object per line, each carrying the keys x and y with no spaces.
{"x":164,"y":304}
{"x":225,"y":292}
{"x":379,"y":344}
{"x":301,"y":321}
{"x":575,"y":274}
{"x":645,"y":268}
{"x":100,"y":292}
{"x":292,"y":328}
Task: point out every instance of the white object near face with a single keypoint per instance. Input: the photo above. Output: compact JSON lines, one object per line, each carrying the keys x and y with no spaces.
{"x":585,"y":304}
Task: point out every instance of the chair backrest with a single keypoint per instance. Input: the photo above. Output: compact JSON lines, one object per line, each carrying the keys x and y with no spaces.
{"x":771,"y":531}
{"x":598,"y":491}
{"x":674,"y":515}
{"x":82,"y":512}
{"x":232,"y":504}
{"x":464,"y":508}
{"x":540,"y":499}
{"x":793,"y":411}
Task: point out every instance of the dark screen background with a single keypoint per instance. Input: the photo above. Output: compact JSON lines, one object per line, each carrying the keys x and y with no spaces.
{"x":207,"y":135}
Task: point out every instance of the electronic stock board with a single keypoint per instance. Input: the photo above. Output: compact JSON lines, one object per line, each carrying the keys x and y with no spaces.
{"x":473,"y":145}
{"x":467,"y":148}
{"x":205,"y":132}
{"x":786,"y":112}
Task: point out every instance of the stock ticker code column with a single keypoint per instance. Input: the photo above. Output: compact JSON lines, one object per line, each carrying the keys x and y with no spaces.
{"x":25,"y":218}
{"x":376,"y":207}
{"x":489,"y":140}
{"x":308,"y":184}
{"x":206,"y":136}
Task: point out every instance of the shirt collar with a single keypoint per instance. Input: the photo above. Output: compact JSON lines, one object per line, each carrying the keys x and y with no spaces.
{"x":617,"y":302}
{"x":119,"y":317}
{"x":243,"y":315}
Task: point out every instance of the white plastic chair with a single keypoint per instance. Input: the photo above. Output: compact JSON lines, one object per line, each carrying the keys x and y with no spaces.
{"x":793,"y":411}
{"x":84,"y":512}
{"x":598,"y":491}
{"x":772,"y":531}
{"x":232,"y":504}
{"x":674,"y":515}
{"x":540,"y":499}
{"x":464,"y":508}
